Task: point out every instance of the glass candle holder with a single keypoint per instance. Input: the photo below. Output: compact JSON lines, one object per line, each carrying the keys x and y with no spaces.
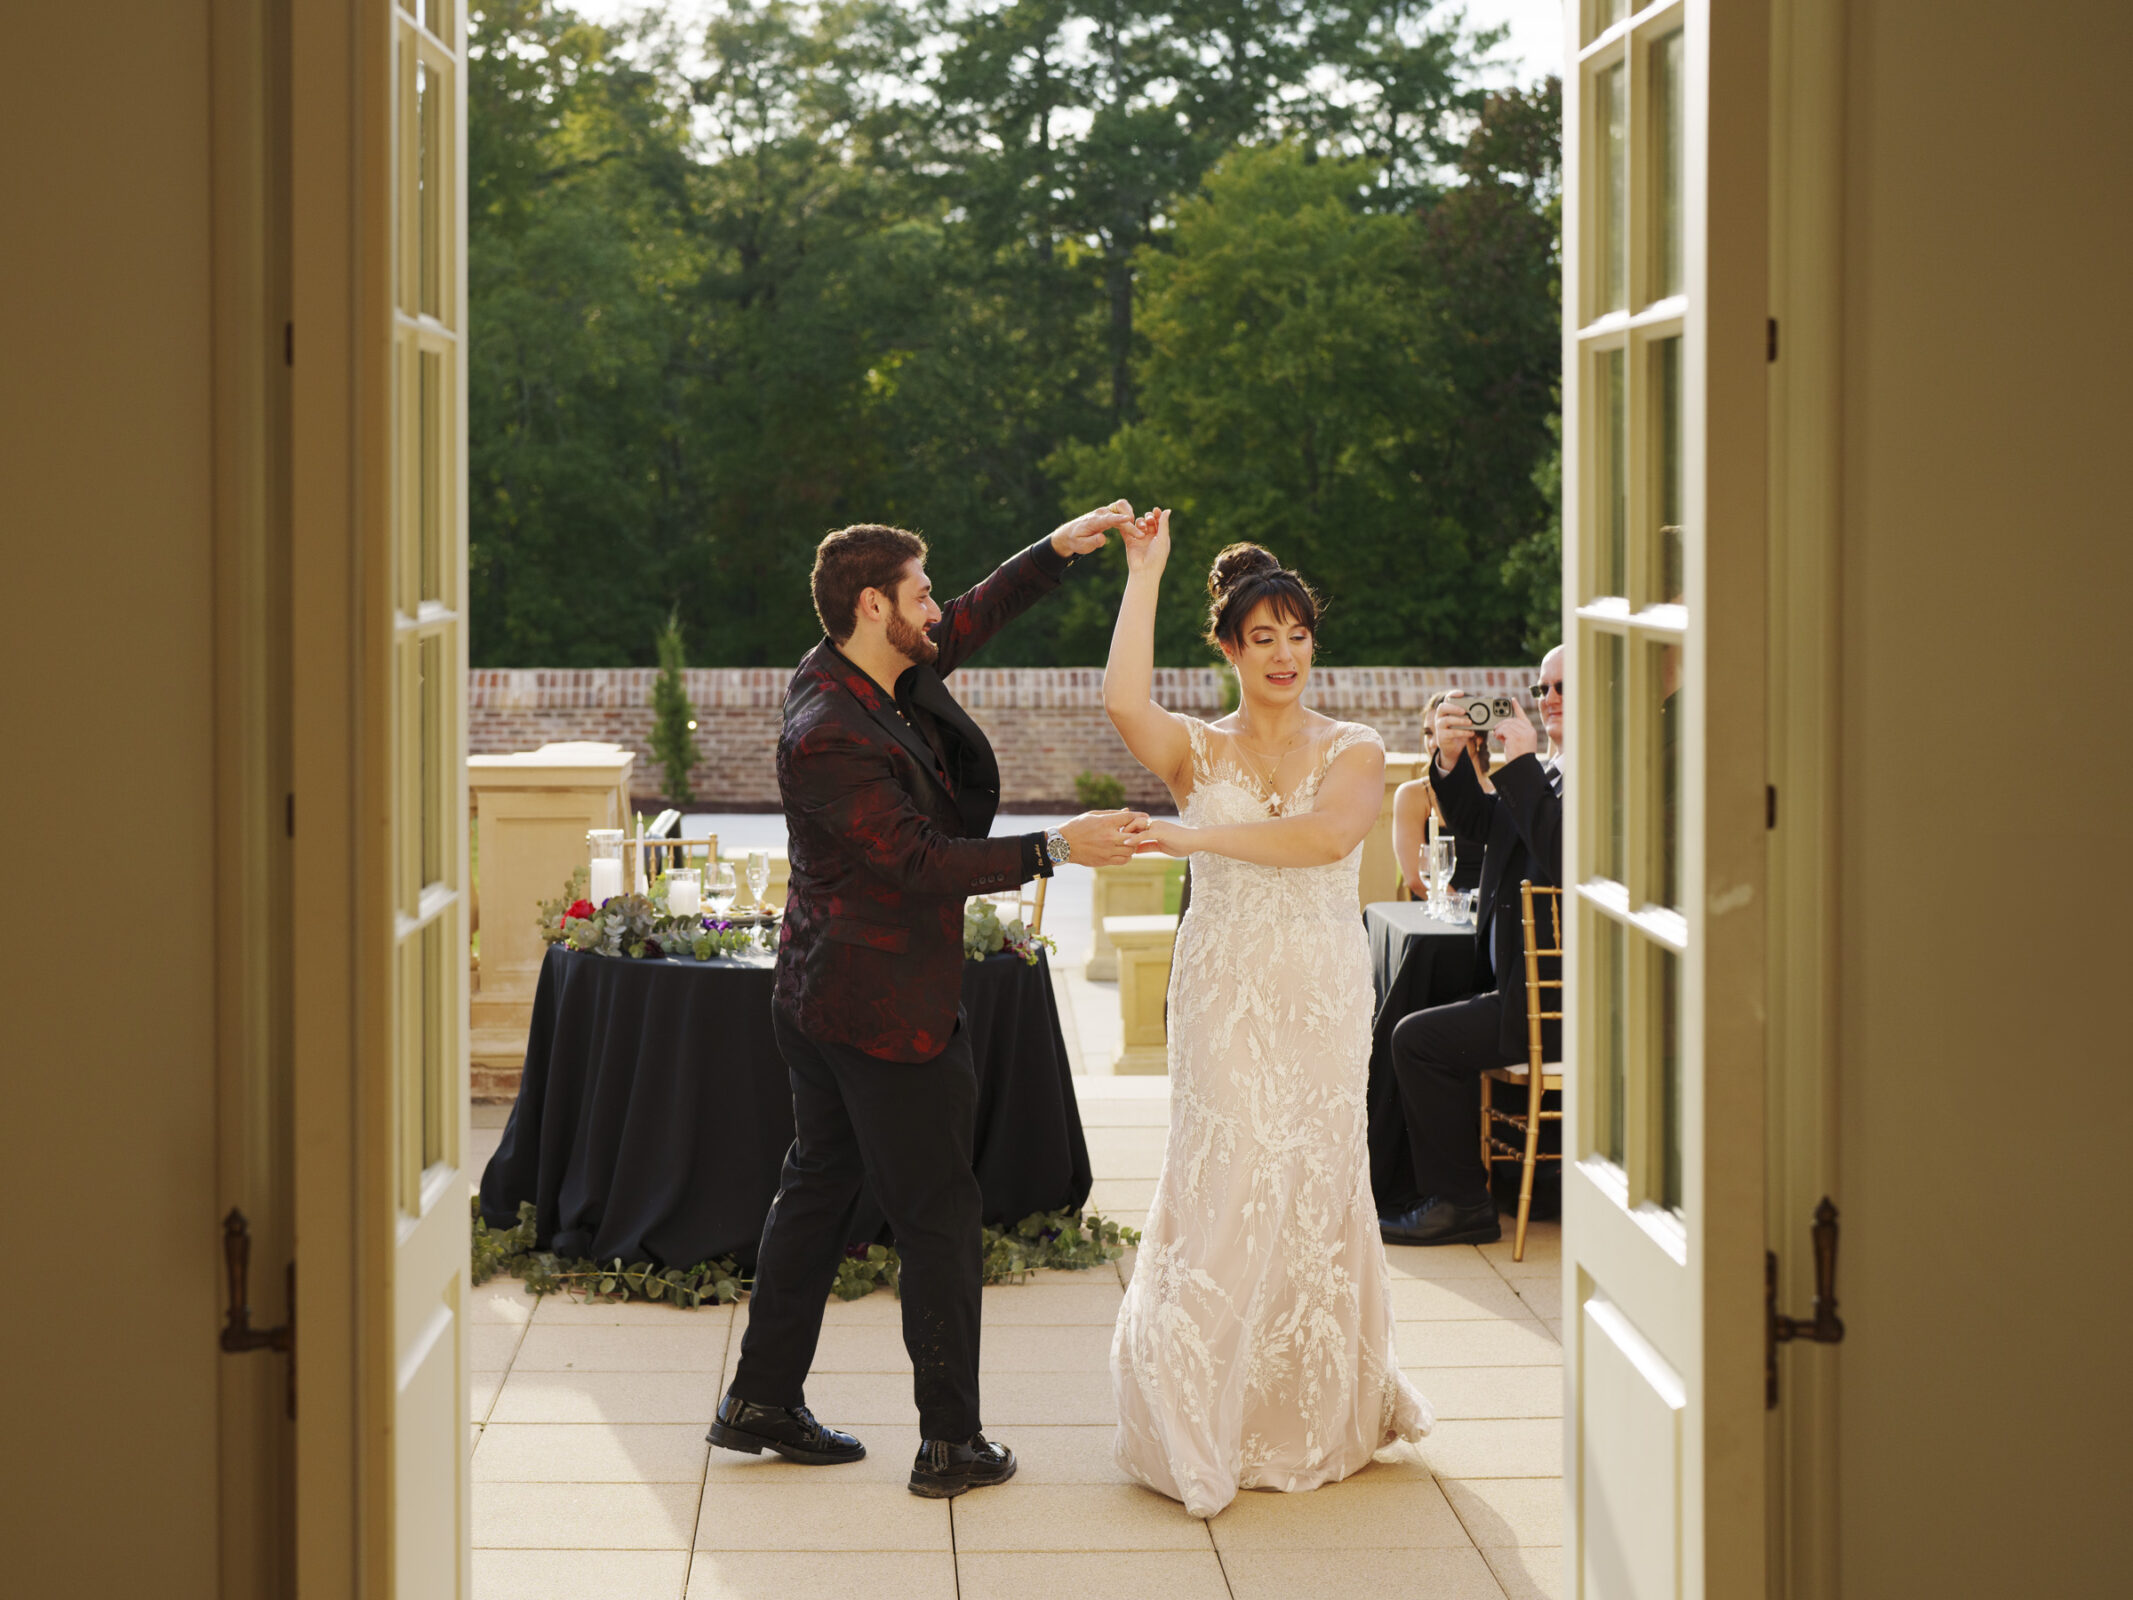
{"x":685,"y":892}
{"x":606,"y":873}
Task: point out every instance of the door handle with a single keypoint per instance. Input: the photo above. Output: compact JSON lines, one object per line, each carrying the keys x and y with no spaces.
{"x":238,"y":1334}
{"x":1825,"y":1326}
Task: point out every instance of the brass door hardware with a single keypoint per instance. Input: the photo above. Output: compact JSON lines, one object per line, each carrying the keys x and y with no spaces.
{"x":1824,"y":1327}
{"x":238,"y":1334}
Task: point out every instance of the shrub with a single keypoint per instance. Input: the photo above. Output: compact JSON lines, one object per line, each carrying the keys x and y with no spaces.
{"x":673,"y":718}
{"x":1099,"y":791}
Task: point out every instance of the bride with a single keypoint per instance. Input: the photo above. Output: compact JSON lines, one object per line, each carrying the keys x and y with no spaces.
{"x":1254,"y":1349}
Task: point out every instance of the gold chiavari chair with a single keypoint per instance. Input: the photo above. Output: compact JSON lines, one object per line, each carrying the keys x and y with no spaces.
{"x":1539,"y":1077}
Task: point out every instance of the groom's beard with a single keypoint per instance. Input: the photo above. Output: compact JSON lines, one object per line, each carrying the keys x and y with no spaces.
{"x":911,"y":643}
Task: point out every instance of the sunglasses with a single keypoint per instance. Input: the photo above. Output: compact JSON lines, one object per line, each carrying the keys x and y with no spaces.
{"x":1540,"y":690}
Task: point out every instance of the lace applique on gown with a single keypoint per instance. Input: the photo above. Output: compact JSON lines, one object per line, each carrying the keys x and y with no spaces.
{"x":1255,"y":1345}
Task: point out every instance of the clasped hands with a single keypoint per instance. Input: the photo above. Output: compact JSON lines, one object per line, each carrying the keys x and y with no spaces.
{"x":1146,"y":536}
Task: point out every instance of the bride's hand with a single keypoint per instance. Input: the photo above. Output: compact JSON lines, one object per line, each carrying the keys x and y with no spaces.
{"x":1088,"y":531}
{"x":1147,"y":541}
{"x":1166,"y":836}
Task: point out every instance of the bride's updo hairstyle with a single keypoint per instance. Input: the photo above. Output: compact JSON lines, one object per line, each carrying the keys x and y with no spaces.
{"x":1242,"y":576}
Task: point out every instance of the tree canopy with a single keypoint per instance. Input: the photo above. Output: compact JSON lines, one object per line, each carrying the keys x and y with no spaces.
{"x":966,"y":266}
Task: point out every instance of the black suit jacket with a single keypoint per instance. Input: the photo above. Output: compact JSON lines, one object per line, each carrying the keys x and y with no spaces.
{"x":888,"y":836}
{"x":1521,"y":825}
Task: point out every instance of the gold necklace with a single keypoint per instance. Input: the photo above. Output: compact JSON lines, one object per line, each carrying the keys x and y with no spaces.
{"x":1266,"y":778}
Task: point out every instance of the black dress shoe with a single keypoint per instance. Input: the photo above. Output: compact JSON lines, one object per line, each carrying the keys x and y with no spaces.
{"x":791,"y":1431}
{"x":945,"y":1469}
{"x":1440,"y":1221}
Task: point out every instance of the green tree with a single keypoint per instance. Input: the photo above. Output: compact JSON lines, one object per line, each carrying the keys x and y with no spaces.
{"x":673,"y":718}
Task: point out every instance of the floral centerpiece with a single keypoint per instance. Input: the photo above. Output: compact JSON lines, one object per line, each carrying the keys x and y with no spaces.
{"x":637,"y":926}
{"x":984,"y":934}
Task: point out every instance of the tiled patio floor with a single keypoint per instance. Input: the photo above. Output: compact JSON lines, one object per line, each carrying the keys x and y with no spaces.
{"x":592,"y":1480}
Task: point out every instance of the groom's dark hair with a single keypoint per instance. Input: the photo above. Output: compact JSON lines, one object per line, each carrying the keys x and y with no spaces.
{"x":863,"y":556}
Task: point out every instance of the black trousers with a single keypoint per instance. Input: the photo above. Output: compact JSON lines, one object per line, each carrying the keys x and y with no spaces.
{"x":1439,"y":1055}
{"x":908,"y":1127}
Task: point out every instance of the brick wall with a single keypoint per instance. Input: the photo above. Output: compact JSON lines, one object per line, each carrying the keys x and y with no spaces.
{"x":1046,"y":723}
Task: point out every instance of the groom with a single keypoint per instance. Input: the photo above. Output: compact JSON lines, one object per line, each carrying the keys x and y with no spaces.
{"x":889,"y":790}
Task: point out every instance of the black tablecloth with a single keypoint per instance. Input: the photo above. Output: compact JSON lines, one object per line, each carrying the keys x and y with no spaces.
{"x":1415,"y":962}
{"x":654,"y":1112}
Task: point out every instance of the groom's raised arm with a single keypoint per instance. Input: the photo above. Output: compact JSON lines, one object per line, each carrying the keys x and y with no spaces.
{"x":1016,"y":584}
{"x":845,"y":784}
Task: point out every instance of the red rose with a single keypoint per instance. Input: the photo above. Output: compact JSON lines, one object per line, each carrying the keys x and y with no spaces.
{"x":579,"y":908}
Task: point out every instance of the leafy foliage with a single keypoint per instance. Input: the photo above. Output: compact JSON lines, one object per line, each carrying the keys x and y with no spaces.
{"x":898,"y":260}
{"x":1066,"y":1241}
{"x":1099,"y":791}
{"x":984,"y":934}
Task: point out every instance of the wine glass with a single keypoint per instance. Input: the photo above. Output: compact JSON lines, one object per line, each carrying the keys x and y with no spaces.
{"x":759,"y":876}
{"x":720,"y":888}
{"x":1441,"y":867}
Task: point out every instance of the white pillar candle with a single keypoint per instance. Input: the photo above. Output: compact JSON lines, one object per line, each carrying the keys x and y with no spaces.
{"x":606,"y":879}
{"x":683,"y":899}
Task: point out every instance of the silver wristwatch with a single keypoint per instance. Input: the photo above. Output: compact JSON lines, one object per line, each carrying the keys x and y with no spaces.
{"x":1056,"y":850}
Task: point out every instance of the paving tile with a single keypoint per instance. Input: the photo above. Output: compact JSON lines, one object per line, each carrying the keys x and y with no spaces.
{"x":623,"y":1347}
{"x":1473,"y":1298}
{"x":814,"y":1515}
{"x":482,"y":1390}
{"x":1294,"y":1574}
{"x":1063,"y":1454}
{"x":1437,"y":1261}
{"x":858,"y":1400}
{"x":1359,"y":1514}
{"x":1544,"y":1256}
{"x":1041,"y":1349}
{"x":1074,"y":1516}
{"x":473,"y":1437}
{"x":561,"y":1308}
{"x":1057,"y":1300}
{"x":1047,"y":1397}
{"x":1543,"y":1297}
{"x":675,"y":1397}
{"x":1128,"y":1152}
{"x":879,"y":1309}
{"x":1501,"y":1343}
{"x":491,"y":1345}
{"x":501,"y":1300}
{"x":1535,"y":1574}
{"x":1091,"y":1575}
{"x":1500,"y":1512}
{"x":808,"y":1575}
{"x":1554,"y":1325}
{"x":1122,"y":1194}
{"x":1464,"y":1392}
{"x":1513,"y":1447}
{"x":579,"y":1574}
{"x":584,"y":1516}
{"x":1103,"y":1111}
{"x":591,"y":1452}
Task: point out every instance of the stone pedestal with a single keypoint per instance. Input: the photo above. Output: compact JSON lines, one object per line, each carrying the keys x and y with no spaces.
{"x":1143,"y":947}
{"x":531,"y":814}
{"x":1130,"y":889}
{"x":1379,"y":876}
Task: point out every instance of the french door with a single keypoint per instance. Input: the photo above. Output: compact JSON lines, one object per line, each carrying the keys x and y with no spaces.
{"x":1664,"y":372}
{"x":380,"y":810}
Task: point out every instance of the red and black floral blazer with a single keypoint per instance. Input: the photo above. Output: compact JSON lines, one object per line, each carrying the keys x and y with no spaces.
{"x":885,"y":846}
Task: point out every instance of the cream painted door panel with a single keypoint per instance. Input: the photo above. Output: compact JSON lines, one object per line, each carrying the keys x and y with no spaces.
{"x":1663,"y":539}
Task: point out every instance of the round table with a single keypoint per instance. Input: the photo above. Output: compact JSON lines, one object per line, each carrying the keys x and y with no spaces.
{"x":654,"y":1112}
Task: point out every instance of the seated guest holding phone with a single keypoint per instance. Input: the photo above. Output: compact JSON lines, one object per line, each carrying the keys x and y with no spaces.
{"x":1412,"y":807}
{"x":1439,"y":1055}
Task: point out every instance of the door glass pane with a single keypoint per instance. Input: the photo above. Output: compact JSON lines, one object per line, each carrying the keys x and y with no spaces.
{"x":1666,"y":1024}
{"x":1602,"y":15}
{"x":432,"y":759}
{"x":1611,"y":125}
{"x":429,"y":446}
{"x":1667,"y":132}
{"x":1669,"y":716}
{"x":1610,"y":983}
{"x":429,"y":231}
{"x":436,"y":1016}
{"x":1665,"y":581}
{"x":1612,"y":578}
{"x":1614,"y":708}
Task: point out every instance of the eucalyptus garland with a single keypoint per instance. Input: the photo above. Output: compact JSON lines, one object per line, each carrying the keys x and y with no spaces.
{"x":1068,"y":1241}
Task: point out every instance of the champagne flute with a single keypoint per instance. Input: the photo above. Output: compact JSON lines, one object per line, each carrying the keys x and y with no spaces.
{"x":720,"y":888}
{"x":1441,"y":867}
{"x":759,"y":877}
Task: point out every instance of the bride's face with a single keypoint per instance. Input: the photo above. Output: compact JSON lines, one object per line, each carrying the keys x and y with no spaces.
{"x":1274,"y":660}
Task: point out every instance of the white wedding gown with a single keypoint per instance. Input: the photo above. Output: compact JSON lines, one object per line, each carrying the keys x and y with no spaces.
{"x":1254,"y":1349}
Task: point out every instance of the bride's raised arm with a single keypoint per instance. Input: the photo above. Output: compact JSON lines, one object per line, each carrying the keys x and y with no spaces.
{"x":1155,"y":736}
